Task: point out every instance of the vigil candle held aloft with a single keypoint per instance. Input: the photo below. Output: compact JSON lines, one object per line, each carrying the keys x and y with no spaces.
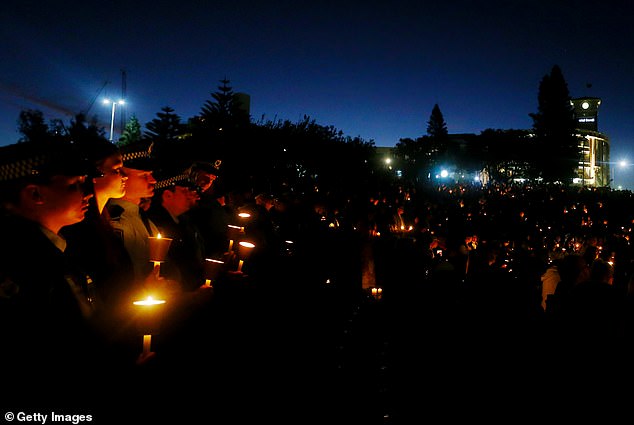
{"x":159,"y":246}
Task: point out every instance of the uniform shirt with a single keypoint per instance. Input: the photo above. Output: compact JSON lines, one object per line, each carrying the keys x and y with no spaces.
{"x":134,"y":229}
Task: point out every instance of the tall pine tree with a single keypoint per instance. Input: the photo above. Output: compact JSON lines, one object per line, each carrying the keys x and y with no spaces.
{"x":223,"y":112}
{"x":438,"y":138}
{"x":131,"y":132}
{"x":557,"y":153}
{"x":165,"y":128}
{"x":436,"y":126}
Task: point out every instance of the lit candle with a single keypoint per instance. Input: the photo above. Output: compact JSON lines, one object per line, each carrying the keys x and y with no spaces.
{"x":234,"y":232}
{"x":148,"y":322}
{"x":158,"y":248}
{"x":149,"y":301}
{"x":244,"y":250}
{"x":376,"y":292}
{"x":212,"y":269}
{"x":147,"y":342}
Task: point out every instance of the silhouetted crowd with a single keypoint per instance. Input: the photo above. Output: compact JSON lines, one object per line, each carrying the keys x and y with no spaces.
{"x":130,"y":286}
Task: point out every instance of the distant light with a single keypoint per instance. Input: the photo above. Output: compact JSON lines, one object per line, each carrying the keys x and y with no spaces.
{"x":476,"y":178}
{"x":108,"y":102}
{"x":388,"y":160}
{"x":444,"y":173}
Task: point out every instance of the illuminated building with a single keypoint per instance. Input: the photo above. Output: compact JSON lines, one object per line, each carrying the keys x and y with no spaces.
{"x":594,"y":147}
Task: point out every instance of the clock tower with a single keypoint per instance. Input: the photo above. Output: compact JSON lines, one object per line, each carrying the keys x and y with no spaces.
{"x":586,"y":111}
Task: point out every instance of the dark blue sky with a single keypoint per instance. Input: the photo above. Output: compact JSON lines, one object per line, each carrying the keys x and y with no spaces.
{"x":373,"y":70}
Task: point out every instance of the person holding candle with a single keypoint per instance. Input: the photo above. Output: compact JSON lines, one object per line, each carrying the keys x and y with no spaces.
{"x":126,"y":217}
{"x":184,"y":263}
{"x":92,"y":241}
{"x":46,"y":300}
{"x":133,"y":226}
{"x":209,"y":215}
{"x":94,"y":244}
{"x":175,"y":195}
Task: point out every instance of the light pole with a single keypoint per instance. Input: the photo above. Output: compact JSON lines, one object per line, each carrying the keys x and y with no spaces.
{"x":114,"y":104}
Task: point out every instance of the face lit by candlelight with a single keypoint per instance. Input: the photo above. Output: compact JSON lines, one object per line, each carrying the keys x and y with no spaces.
{"x":140,"y":184}
{"x":59,"y":203}
{"x":113,"y":182}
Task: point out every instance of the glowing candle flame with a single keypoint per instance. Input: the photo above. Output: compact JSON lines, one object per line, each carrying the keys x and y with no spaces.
{"x":149,"y":301}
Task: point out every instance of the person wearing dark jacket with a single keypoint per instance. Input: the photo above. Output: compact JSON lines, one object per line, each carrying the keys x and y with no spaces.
{"x":46,"y":301}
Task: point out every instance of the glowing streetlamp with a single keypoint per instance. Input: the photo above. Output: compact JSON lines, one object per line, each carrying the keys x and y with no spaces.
{"x":621,"y":164}
{"x":114,"y":104}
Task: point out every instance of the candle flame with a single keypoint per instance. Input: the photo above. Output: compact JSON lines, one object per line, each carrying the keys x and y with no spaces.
{"x":149,"y":301}
{"x":158,"y":236}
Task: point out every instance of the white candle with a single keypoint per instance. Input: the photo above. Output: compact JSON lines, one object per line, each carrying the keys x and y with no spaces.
{"x":147,"y":342}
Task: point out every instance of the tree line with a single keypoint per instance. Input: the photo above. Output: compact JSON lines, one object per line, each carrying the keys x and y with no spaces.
{"x":305,"y":157}
{"x":548,"y":152}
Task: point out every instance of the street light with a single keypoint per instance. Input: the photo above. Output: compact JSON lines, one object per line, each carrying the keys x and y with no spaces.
{"x":114,"y":104}
{"x":621,"y":164}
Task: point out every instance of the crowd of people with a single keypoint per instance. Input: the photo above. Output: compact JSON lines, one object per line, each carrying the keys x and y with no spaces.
{"x":258,"y":287}
{"x":88,"y":298}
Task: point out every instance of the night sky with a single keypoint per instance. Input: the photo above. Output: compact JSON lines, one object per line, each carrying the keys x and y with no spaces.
{"x":369,"y":70}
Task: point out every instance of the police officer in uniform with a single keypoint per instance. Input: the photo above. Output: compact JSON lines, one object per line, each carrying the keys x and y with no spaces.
{"x":46,"y":309}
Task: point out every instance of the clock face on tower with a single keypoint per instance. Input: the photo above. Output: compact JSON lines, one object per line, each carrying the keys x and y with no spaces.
{"x":585,"y":105}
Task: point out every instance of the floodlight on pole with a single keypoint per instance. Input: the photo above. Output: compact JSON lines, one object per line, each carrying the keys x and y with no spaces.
{"x":114,"y":105}
{"x":621,"y":164}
